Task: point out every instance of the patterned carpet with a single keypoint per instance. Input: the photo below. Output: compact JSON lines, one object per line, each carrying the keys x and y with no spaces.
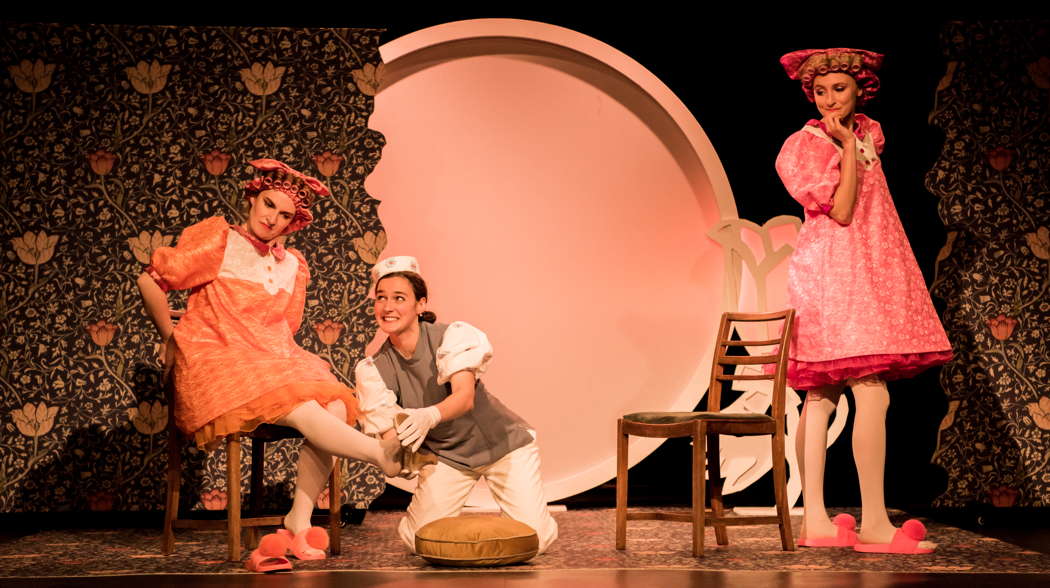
{"x":586,"y":542}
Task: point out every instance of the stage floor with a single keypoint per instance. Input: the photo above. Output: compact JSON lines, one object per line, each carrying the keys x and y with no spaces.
{"x":658,"y":554}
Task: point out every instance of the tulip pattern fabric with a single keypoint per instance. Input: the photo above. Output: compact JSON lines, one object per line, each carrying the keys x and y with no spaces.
{"x":113,"y":139}
{"x":992,"y":180}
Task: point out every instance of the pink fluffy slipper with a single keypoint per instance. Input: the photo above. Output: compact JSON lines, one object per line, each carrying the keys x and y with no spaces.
{"x":905,"y":540}
{"x":844,"y":537}
{"x":269,"y":557}
{"x":308,"y":544}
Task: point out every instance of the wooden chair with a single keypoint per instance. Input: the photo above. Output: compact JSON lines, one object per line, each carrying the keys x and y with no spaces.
{"x":234,"y":523}
{"x":705,"y":427}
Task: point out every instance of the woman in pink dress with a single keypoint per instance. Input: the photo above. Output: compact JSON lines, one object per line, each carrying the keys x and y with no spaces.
{"x":863,"y":314}
{"x":237,"y":364}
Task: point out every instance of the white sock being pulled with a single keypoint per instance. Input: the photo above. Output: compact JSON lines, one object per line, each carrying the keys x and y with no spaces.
{"x":332,"y":435}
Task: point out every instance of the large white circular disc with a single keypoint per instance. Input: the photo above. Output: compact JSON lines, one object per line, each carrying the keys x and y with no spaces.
{"x":558,"y":197}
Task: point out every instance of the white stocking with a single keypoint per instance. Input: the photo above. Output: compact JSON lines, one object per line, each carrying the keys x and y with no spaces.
{"x":315,"y":465}
{"x":869,"y":453}
{"x":330,"y":434}
{"x":811,"y":448}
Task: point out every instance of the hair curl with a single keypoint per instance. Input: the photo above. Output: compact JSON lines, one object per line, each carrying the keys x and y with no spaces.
{"x":861,"y":65}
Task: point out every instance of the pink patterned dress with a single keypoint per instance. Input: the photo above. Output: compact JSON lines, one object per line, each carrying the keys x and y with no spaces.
{"x":862,"y":308}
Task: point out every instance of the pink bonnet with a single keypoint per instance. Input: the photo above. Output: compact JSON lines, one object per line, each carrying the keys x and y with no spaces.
{"x":301,"y":188}
{"x":806,"y":64}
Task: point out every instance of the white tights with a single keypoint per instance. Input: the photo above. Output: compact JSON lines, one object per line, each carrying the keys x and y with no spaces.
{"x":869,"y":453}
{"x":328,"y":435}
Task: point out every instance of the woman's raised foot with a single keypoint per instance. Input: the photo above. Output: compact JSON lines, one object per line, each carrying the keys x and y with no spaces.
{"x":390,"y":456}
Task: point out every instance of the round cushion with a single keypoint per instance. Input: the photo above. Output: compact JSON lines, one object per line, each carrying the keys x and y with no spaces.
{"x":476,"y":541}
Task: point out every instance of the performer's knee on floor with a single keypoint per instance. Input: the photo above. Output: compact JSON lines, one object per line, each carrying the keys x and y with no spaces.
{"x":407,"y":532}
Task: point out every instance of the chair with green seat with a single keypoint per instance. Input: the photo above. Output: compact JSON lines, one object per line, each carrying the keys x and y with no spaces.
{"x":704,"y":429}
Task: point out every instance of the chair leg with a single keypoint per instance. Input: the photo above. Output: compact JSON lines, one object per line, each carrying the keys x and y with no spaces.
{"x":255,"y":483}
{"x":258,"y":476}
{"x":233,"y":495}
{"x":714,"y":478}
{"x":335,"y":507}
{"x":171,"y":502}
{"x":621,"y":486}
{"x":787,"y":541}
{"x":699,"y":442}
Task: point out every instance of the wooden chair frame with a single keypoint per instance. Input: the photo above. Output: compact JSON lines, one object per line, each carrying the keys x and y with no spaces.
{"x":704,"y":429}
{"x":234,"y":524}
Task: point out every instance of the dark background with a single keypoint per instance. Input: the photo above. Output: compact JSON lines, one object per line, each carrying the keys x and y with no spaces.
{"x":725,"y":69}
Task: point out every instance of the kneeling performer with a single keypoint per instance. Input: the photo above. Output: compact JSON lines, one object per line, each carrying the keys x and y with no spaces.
{"x":430,"y":371}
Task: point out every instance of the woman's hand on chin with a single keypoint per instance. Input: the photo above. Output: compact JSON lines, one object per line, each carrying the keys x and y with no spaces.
{"x":837,"y":130}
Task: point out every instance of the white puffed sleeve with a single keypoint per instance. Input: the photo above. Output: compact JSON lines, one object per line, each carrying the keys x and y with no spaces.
{"x":377,"y":403}
{"x":463,"y":347}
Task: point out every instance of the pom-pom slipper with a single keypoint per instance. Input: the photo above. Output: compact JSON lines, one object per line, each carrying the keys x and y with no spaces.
{"x":905,"y":540}
{"x":269,"y":557}
{"x":308,"y":544}
{"x":845,"y":536}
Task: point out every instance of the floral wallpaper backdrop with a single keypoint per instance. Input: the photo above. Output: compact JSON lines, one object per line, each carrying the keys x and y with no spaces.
{"x":112,"y":140}
{"x":993,"y":105}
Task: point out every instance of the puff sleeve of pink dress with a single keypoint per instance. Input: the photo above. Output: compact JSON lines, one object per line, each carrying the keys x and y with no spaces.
{"x":862,"y":308}
{"x":237,"y":363}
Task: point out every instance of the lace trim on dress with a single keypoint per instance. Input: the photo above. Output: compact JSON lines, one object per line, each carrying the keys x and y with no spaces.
{"x":805,"y":375}
{"x":867,"y":153}
{"x":271,"y":407}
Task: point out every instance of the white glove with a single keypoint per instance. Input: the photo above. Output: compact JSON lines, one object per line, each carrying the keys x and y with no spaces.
{"x":413,"y":430}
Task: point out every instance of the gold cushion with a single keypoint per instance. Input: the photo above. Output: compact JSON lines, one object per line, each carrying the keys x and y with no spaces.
{"x":476,"y":541}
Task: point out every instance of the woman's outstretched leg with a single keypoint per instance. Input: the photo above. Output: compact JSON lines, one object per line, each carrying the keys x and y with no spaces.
{"x":332,"y":435}
{"x":811,"y":445}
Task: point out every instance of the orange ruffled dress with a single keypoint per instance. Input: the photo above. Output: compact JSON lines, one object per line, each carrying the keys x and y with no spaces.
{"x":237,"y":364}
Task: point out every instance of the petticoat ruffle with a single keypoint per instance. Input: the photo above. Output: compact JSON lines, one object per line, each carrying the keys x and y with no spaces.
{"x":270,"y":407}
{"x":806,"y":375}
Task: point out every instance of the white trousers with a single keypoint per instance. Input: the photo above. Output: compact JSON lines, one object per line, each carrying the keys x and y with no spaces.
{"x":513,"y":479}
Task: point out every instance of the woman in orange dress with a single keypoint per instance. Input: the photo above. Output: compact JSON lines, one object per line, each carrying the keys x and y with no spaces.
{"x":237,"y":364}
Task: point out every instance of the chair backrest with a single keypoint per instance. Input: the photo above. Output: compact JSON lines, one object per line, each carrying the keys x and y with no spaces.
{"x":724,"y":366}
